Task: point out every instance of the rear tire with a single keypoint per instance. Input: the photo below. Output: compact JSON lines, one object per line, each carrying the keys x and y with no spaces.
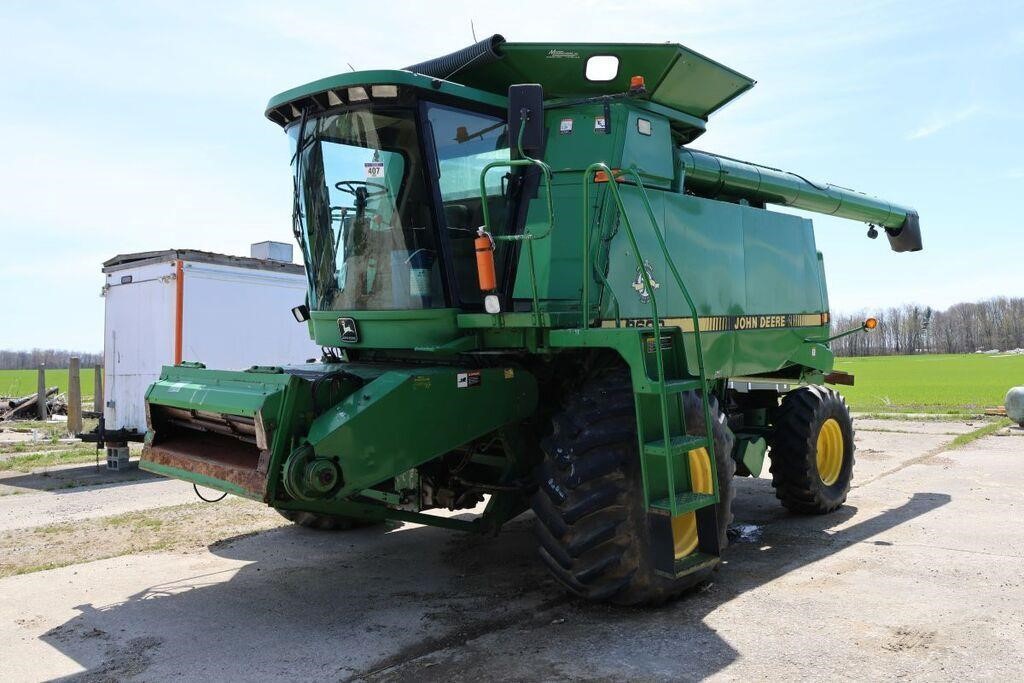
{"x":812,"y":450}
{"x":323,"y":522}
{"x":591,"y":521}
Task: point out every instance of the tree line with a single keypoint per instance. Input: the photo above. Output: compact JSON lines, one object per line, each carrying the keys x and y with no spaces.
{"x":910,"y":328}
{"x":51,"y":358}
{"x":994,"y":324}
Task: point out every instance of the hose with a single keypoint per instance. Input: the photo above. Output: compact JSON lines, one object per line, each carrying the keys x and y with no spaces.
{"x":486,"y":51}
{"x":208,"y":500}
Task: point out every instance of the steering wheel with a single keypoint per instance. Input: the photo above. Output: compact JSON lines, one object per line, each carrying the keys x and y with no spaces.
{"x":352,"y":187}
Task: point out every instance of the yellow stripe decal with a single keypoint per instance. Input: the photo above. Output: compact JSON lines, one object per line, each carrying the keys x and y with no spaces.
{"x":731,"y":323}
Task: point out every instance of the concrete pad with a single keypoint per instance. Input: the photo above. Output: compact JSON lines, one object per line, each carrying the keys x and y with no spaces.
{"x":943,"y":427}
{"x":918,"y":576}
{"x":74,"y":492}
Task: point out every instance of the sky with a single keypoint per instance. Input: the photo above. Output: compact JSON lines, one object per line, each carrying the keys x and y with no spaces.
{"x":137,"y":126}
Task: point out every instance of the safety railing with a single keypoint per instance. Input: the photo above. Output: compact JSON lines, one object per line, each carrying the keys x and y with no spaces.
{"x":655,"y":319}
{"x":528,"y":237}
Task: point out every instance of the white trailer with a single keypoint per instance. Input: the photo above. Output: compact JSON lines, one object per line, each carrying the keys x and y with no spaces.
{"x":164,"y":307}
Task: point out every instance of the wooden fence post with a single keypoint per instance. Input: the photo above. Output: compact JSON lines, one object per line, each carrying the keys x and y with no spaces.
{"x":97,"y":391}
{"x":74,"y":396}
{"x":41,"y":393}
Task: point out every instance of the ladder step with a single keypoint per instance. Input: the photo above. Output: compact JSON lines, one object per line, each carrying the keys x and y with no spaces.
{"x":683,"y":443}
{"x":673,"y":386}
{"x":685,"y":502}
{"x":694,"y":562}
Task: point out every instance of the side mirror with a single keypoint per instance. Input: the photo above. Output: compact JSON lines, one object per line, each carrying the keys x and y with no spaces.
{"x":526,"y":103}
{"x":301,"y":313}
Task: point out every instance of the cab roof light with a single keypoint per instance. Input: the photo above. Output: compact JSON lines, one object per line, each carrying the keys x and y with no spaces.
{"x":384,"y":90}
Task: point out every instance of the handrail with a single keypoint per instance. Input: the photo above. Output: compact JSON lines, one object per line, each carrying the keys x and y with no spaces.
{"x":655,"y":318}
{"x":656,"y":322}
{"x":526,"y":236}
{"x":689,"y":302}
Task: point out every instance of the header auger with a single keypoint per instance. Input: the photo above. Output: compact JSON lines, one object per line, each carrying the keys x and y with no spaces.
{"x":531,"y":290}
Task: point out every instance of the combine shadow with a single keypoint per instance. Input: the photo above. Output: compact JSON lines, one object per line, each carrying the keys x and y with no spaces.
{"x":74,"y":479}
{"x":379,"y":602}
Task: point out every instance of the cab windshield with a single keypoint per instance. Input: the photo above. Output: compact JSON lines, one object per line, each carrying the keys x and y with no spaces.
{"x":364,"y":209}
{"x":363,"y":213}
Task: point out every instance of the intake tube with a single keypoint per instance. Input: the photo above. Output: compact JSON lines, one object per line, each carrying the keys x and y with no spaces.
{"x":710,"y":175}
{"x":486,"y":51}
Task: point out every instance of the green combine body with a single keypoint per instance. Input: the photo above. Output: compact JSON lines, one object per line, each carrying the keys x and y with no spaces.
{"x":650,"y":329}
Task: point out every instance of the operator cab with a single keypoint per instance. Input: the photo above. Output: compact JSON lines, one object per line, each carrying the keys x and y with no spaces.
{"x":388,"y":198}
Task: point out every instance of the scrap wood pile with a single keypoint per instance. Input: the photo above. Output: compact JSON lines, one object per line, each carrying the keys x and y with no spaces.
{"x":24,"y":408}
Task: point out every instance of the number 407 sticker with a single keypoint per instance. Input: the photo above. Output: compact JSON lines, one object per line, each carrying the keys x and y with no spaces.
{"x":374,"y":169}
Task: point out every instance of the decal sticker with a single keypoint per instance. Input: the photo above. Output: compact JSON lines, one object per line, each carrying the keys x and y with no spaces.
{"x":421,"y":382}
{"x":565,"y":126}
{"x":731,"y":323}
{"x":599,"y":124}
{"x":175,"y":388}
{"x":666,"y":343}
{"x":348,"y":329}
{"x":563,"y":54}
{"x":465,"y":380}
{"x":640,"y":285}
{"x":374,"y":169}
{"x":509,"y":373}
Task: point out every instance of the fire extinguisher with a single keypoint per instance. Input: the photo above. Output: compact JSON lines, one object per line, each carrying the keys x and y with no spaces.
{"x":484,"y":244}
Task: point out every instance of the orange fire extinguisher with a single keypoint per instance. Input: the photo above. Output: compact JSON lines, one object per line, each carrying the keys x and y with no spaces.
{"x":485,"y":261}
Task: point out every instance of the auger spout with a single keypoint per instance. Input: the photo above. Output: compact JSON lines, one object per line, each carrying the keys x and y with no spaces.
{"x":713,"y":176}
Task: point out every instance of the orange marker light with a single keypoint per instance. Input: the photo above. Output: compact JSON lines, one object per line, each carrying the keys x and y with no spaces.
{"x":870,"y":323}
{"x":602,"y":177}
{"x":485,"y":262}
{"x":636,"y":84}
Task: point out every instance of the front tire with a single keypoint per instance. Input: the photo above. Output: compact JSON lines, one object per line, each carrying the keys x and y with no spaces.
{"x":591,"y":522}
{"x":812,"y":450}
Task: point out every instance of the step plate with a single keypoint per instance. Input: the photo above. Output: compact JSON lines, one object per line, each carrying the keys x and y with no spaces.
{"x":683,"y":443}
{"x":685,"y":502}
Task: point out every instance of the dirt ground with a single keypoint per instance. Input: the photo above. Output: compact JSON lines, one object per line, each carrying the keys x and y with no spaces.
{"x":918,"y":576}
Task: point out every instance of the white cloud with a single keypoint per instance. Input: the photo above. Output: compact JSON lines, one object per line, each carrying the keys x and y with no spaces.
{"x":942,"y":121}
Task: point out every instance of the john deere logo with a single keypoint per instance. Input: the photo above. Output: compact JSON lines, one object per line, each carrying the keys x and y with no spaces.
{"x":640,"y":285}
{"x":349,"y":332}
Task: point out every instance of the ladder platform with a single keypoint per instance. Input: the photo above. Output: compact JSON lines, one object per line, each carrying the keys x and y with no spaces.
{"x":678,"y":445}
{"x":692,"y":563}
{"x":685,"y":502}
{"x":673,"y":386}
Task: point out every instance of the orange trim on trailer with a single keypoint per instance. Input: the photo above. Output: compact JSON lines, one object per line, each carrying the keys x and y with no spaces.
{"x":179,"y":292}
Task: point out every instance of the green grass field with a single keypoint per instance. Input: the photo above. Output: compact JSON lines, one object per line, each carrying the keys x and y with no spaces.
{"x":927,"y":384}
{"x":930,"y":383}
{"x":23,"y":382}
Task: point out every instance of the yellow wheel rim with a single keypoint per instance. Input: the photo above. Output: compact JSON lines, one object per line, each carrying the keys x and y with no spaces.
{"x":830,"y":451}
{"x":684,"y":527}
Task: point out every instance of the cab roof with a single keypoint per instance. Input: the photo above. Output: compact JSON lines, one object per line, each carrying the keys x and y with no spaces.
{"x":676,"y":78}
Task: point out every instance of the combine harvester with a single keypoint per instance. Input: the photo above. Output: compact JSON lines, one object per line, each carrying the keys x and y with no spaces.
{"x":530,"y":287}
